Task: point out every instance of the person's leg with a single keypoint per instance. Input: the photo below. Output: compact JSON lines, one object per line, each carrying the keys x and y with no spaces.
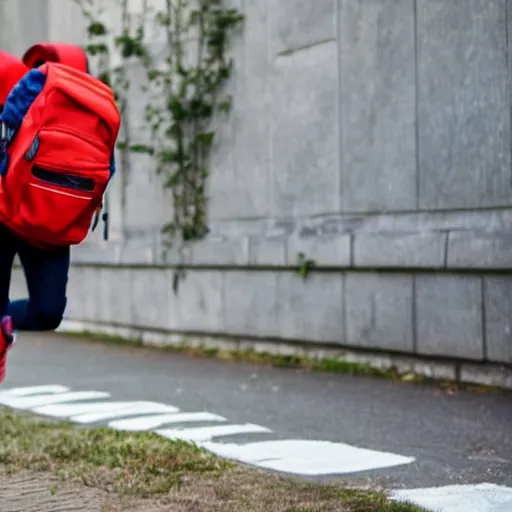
{"x":46,"y":273}
{"x":8,"y":248}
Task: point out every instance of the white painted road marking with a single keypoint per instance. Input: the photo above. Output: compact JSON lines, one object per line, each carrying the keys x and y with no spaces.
{"x":134,"y":410}
{"x":33,"y":390}
{"x":204,"y":434}
{"x":68,"y":410}
{"x":30,"y":402}
{"x":460,"y":498}
{"x":298,"y":457}
{"x":151,"y":422}
{"x":310,"y":458}
{"x":97,"y":411}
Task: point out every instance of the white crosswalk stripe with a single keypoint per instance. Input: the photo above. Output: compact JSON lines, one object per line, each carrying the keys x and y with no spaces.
{"x":158,"y":420}
{"x":460,"y":498}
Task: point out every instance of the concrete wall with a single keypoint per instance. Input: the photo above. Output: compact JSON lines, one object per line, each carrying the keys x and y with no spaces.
{"x":374,"y":136}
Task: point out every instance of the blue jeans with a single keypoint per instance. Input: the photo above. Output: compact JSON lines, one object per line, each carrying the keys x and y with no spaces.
{"x":46,"y":274}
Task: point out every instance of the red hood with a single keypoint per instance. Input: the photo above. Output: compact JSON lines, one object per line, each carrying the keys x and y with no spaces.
{"x":68,"y":54}
{"x":11,"y":71}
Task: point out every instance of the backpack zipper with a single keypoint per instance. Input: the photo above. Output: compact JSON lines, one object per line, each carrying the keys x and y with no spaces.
{"x":73,"y":169}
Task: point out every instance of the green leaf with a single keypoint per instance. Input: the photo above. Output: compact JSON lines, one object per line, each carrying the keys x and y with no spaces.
{"x":224,"y":72}
{"x":96,"y":28}
{"x":225,"y":106}
{"x":105,"y":78}
{"x":205,"y":138}
{"x":175,"y":130}
{"x":153,"y":74}
{"x":176,"y":108}
{"x":172,"y":180}
{"x":304,"y":265}
{"x":142,"y":148}
{"x":168,"y":156}
{"x":94,"y":49}
{"x":200,"y":108}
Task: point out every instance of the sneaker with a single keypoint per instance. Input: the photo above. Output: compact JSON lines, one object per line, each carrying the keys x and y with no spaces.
{"x":6,"y":342}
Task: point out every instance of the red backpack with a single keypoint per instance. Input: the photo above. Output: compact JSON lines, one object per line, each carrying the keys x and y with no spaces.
{"x":59,"y":127}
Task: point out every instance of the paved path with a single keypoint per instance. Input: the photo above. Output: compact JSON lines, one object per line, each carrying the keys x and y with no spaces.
{"x":314,"y":425}
{"x":37,"y":493}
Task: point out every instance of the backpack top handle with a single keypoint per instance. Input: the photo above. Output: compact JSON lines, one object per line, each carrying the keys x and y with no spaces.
{"x":68,"y":54}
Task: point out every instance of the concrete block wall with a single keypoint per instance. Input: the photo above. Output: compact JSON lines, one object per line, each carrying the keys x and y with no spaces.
{"x":372,"y":136}
{"x":463,"y":317}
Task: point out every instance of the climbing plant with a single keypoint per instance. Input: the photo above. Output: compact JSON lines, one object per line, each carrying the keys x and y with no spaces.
{"x":185,"y":90}
{"x":115,"y":76}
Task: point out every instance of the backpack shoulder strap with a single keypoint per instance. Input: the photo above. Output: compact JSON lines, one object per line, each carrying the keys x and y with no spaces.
{"x":20,"y":99}
{"x":16,"y":107}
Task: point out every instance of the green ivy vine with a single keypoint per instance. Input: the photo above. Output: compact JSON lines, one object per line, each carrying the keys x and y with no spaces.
{"x":185,"y":90}
{"x":99,"y":52}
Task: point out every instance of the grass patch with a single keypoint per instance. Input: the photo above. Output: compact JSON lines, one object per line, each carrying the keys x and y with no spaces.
{"x":125,"y":462}
{"x":146,"y":466}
